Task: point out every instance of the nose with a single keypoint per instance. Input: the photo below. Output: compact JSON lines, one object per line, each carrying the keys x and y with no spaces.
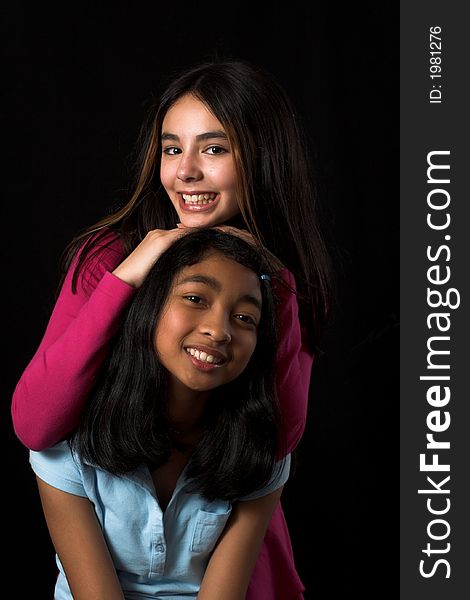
{"x":189,"y":168}
{"x":217,"y":328}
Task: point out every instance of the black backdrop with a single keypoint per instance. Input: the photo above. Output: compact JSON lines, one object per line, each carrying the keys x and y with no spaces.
{"x":79,"y":77}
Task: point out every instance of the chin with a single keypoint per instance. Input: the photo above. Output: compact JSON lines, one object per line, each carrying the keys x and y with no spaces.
{"x":199,"y":388}
{"x":198,"y":221}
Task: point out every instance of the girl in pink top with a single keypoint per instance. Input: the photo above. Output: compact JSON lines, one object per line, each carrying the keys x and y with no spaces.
{"x":223,"y":148}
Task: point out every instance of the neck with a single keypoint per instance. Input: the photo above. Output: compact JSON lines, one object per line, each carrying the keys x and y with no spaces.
{"x":186,"y":416}
{"x":237,"y":221}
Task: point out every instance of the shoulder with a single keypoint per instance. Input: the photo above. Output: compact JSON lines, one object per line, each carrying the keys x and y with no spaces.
{"x":99,"y":253}
{"x":105,"y":245}
{"x":279,"y":477}
{"x":60,"y":467}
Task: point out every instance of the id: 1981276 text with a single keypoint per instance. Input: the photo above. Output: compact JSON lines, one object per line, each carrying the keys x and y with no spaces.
{"x":435,"y":64}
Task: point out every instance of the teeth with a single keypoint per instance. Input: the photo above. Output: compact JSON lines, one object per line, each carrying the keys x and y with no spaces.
{"x":203,"y":356}
{"x":199,"y":198}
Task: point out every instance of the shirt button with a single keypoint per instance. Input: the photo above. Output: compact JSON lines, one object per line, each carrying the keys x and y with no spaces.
{"x":159,"y":547}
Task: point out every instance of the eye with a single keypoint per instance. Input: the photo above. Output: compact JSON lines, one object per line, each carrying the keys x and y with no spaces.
{"x":194,"y":299}
{"x":171,"y":150}
{"x":216,"y":150}
{"x":246,"y":319}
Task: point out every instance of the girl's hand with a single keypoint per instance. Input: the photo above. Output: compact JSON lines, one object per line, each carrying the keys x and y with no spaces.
{"x":135,"y":268}
{"x":275,"y":263}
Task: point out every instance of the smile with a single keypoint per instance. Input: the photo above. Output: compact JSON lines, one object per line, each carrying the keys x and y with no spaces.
{"x":199,"y":198}
{"x":205,"y":357}
{"x":198,"y":202}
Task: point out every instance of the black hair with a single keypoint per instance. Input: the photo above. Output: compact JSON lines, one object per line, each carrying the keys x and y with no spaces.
{"x":125,"y":424}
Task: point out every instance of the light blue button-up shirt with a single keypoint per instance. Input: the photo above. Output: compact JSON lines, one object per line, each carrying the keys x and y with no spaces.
{"x":157,"y":554}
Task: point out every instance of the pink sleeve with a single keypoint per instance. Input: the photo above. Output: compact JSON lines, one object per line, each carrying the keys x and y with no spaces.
{"x":294,"y":364}
{"x":52,"y":390}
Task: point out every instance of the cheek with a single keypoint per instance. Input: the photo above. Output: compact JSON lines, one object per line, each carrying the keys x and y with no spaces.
{"x":167,"y":175}
{"x":224,"y":173}
{"x":230,"y":178}
{"x":166,"y":334}
{"x":159,"y":343}
{"x":245,"y":352}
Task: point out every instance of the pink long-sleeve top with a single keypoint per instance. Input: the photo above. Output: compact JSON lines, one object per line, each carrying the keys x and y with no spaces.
{"x":49,"y":396}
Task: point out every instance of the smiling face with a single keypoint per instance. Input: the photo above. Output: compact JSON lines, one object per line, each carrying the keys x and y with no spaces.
{"x":197,"y":167}
{"x":208,"y":329}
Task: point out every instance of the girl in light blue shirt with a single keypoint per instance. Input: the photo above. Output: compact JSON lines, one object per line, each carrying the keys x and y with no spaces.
{"x":167,"y":487}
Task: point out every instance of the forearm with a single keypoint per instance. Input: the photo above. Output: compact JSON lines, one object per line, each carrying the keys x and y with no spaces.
{"x":229,"y":571}
{"x":102,"y":585}
{"x":229,"y":584}
{"x":50,"y":395}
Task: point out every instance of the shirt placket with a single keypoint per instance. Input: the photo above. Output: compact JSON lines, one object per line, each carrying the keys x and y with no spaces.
{"x":157,"y":541}
{"x":158,"y":556}
{"x":159,"y":545}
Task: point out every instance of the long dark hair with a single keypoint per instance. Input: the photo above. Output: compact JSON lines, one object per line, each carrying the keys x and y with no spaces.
{"x":277,"y":192}
{"x":125,"y":423}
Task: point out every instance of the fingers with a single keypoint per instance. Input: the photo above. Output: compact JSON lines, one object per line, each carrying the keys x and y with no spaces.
{"x":244,"y":235}
{"x":241,"y":233}
{"x":135,"y":267}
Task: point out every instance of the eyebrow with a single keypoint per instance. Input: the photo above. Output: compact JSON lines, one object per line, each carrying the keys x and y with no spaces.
{"x":208,"y":135}
{"x":215,"y":285}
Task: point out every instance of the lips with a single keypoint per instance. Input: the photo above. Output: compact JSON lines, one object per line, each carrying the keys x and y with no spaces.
{"x":197,"y":201}
{"x":206,"y":355}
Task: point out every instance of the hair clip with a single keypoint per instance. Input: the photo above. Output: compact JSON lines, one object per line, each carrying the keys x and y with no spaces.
{"x":265,"y":277}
